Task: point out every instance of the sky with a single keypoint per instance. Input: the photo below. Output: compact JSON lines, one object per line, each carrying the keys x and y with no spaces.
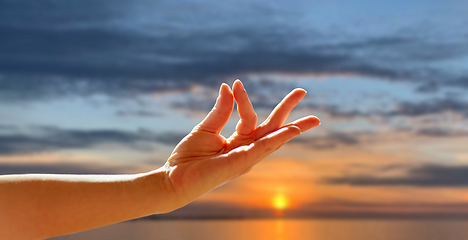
{"x":112,"y":86}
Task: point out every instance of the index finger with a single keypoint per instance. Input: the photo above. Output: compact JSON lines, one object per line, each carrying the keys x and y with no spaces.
{"x":248,"y":117}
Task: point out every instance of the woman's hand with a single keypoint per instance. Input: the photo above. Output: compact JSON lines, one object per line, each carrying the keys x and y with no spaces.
{"x":38,"y":206}
{"x":204,"y":159}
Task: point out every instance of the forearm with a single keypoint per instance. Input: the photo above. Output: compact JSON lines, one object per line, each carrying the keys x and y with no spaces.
{"x":40,"y":206}
{"x":37,"y":206}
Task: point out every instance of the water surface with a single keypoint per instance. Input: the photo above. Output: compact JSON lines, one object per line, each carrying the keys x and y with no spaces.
{"x":280,"y":230}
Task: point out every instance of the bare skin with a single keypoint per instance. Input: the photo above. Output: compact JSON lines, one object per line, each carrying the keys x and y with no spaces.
{"x":37,"y":206}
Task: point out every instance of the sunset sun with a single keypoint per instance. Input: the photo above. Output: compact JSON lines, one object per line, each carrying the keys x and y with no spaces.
{"x":280,"y":202}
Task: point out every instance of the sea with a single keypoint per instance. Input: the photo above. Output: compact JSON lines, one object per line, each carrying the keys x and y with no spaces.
{"x":279,"y":229}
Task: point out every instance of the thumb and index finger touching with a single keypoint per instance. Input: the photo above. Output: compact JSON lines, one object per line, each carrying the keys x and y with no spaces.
{"x":221,"y":112}
{"x":268,"y":137}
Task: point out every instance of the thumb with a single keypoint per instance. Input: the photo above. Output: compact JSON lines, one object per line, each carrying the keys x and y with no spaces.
{"x":221,"y":112}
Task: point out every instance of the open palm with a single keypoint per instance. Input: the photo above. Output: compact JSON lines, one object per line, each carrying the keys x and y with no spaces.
{"x":204,"y":159}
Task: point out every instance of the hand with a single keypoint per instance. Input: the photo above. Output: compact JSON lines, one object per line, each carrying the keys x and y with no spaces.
{"x":204,"y":159}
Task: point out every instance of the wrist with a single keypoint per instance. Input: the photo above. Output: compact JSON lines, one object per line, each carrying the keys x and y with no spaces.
{"x":160,"y":191}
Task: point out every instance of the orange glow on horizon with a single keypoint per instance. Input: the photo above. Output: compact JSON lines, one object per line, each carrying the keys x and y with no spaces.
{"x":280,"y":202}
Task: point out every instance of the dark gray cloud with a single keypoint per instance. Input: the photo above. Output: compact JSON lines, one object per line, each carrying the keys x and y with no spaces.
{"x":442,"y":132}
{"x":423,"y":176}
{"x":51,"y":138}
{"x":403,"y":108}
{"x":329,"y":141}
{"x":139,"y":113}
{"x":215,"y":210}
{"x":63,"y":168}
{"x":337,"y":208}
{"x":53,"y":48}
{"x":329,"y":208}
{"x":431,"y":107}
{"x":8,"y":127}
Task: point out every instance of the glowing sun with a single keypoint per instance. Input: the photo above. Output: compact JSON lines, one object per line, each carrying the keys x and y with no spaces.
{"x":280,"y":202}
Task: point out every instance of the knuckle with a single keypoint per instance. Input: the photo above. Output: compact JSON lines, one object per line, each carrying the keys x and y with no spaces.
{"x":196,"y":128}
{"x":240,"y":153}
{"x":222,"y":113}
{"x":254,"y":117}
{"x":264,"y":144}
{"x":243,"y":153}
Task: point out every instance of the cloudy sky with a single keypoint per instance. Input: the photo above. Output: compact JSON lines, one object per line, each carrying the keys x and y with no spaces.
{"x":111,"y":86}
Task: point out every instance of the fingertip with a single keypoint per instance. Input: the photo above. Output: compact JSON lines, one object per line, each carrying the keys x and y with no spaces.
{"x":297,"y":94}
{"x":225,"y":89}
{"x":301,"y":90}
{"x":311,"y":122}
{"x":224,"y":86}
{"x":225,"y":97}
{"x":237,"y":86}
{"x":316,"y":120}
